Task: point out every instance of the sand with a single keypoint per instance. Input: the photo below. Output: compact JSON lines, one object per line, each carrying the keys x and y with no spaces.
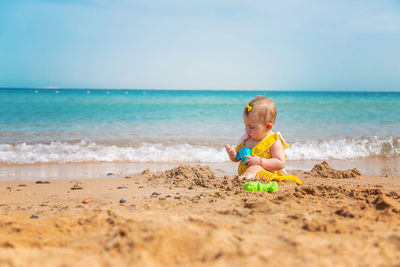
{"x":190,"y":216}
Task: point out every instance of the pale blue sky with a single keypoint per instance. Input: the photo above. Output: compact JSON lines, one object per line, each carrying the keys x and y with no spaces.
{"x":228,"y":44}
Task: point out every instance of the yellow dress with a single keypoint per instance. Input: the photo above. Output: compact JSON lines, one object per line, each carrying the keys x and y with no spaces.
{"x":263,"y":150}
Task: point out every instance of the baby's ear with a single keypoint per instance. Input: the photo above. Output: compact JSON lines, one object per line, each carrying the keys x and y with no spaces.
{"x":269,"y":126}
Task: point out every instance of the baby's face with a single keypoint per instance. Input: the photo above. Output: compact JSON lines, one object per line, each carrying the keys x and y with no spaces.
{"x":255,"y":128}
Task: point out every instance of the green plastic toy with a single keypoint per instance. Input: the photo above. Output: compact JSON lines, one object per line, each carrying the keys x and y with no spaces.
{"x":256,"y":186}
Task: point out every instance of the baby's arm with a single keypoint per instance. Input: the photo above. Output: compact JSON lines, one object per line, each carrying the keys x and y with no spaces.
{"x":278,"y":158}
{"x":276,"y":162}
{"x":231,"y":152}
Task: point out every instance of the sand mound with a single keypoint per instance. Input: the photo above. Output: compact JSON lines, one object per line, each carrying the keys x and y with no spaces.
{"x":325,"y":171}
{"x":185,"y":175}
{"x":381,"y":202}
{"x":189,"y":176}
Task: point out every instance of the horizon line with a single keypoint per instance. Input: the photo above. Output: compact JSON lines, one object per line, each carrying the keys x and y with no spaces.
{"x":176,"y":89}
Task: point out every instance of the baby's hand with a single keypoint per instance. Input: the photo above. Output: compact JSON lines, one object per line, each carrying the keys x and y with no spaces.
{"x":252,"y":160}
{"x":231,"y":151}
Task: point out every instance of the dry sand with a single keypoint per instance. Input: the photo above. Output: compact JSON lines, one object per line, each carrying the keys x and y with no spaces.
{"x":189,"y":216}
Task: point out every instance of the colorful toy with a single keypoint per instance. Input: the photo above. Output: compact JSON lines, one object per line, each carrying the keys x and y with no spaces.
{"x":269,"y":176}
{"x":243,"y":152}
{"x":256,"y":186}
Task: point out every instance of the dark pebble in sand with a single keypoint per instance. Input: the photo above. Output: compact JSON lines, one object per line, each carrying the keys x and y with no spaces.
{"x":76,"y":187}
{"x":42,"y":182}
{"x":122,"y":187}
{"x":87,"y":201}
{"x":190,"y":187}
{"x":122,"y":201}
{"x":34,"y":217}
{"x":9,"y":188}
{"x":110,"y":173}
{"x":147,"y":171}
{"x":154,"y":194}
{"x":22,"y":185}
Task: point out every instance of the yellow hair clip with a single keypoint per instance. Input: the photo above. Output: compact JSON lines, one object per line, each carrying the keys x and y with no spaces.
{"x":248,"y":107}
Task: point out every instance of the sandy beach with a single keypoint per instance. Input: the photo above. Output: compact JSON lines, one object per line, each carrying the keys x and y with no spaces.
{"x":122,"y":125}
{"x":190,"y":216}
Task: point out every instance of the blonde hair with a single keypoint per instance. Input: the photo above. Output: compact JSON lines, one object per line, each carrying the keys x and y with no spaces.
{"x":263,"y":107}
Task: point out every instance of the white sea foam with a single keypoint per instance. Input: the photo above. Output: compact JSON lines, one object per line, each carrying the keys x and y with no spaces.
{"x":86,"y":151}
{"x":345,"y":148}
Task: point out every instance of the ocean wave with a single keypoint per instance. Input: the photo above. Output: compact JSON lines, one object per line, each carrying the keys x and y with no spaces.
{"x":346,"y":148}
{"x":87,"y":151}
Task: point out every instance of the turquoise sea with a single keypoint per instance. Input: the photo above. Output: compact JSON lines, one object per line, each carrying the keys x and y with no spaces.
{"x":70,"y":125}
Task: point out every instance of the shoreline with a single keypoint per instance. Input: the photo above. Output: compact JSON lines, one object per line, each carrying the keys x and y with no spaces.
{"x":94,"y":170}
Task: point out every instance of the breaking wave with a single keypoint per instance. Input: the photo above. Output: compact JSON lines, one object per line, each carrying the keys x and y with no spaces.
{"x":87,"y":151}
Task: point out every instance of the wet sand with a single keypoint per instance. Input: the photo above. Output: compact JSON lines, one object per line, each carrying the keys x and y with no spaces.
{"x":189,"y":215}
{"x":76,"y":171}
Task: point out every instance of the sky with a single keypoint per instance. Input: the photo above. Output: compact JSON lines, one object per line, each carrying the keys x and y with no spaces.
{"x":208,"y":44}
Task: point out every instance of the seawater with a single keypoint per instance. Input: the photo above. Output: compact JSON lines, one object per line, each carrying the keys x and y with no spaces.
{"x":167,"y":126}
